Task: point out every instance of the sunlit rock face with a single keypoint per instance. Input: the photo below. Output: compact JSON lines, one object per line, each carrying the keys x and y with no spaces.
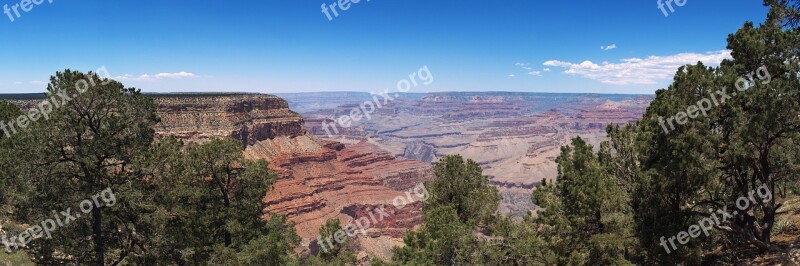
{"x":320,"y":180}
{"x":246,"y":117}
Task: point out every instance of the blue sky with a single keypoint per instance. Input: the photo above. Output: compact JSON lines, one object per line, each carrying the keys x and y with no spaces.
{"x":292,"y":46}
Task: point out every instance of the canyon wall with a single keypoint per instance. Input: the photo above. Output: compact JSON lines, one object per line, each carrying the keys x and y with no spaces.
{"x":199,"y":117}
{"x":246,"y":117}
{"x":320,"y":180}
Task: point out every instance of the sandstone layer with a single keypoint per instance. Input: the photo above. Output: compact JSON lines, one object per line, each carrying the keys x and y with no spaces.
{"x":198,"y":117}
{"x":246,"y":117}
{"x":320,"y":180}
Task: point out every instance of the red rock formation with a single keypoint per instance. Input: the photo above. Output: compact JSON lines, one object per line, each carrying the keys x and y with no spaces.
{"x":319,"y":180}
{"x":197,"y":117}
{"x":398,"y":222}
{"x":247,"y":117}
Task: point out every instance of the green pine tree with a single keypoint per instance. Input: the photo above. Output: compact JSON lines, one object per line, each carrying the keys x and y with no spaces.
{"x":210,"y":208}
{"x":462,"y":204}
{"x":585,"y":212}
{"x":86,"y":146}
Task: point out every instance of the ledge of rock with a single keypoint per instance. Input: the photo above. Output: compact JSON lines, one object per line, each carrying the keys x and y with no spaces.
{"x":247,"y":117}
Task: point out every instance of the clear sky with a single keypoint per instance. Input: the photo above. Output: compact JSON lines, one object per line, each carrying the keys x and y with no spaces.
{"x":267,"y":46}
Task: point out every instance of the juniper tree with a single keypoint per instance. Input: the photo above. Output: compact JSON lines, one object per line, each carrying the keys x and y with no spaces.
{"x":86,"y":146}
{"x":747,"y":137}
{"x":461,"y":202}
{"x":586,"y":213}
{"x":210,"y":207}
{"x":10,"y":185}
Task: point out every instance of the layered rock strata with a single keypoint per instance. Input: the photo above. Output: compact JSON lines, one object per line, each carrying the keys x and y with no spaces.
{"x":320,"y":180}
{"x":247,"y":117}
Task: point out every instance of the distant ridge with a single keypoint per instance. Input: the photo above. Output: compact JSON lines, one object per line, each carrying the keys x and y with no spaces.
{"x":41,"y":95}
{"x":22,"y":96}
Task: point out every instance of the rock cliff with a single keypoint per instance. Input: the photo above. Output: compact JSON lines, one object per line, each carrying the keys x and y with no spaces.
{"x":247,"y":117}
{"x":320,"y":180}
{"x":198,"y":117}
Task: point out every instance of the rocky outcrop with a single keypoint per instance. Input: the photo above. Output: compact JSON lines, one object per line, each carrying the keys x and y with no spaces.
{"x":247,"y":117}
{"x":537,"y":148}
{"x":320,"y":180}
{"x":397,"y":222}
{"x":198,"y":117}
{"x":516,"y":132}
{"x":328,"y":127}
{"x":420,"y":151}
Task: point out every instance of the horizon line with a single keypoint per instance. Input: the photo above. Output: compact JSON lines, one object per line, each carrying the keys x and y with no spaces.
{"x":34,"y":94}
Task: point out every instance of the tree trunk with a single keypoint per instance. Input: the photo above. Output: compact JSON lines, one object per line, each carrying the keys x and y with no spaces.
{"x":228,"y":238}
{"x":97,"y":236}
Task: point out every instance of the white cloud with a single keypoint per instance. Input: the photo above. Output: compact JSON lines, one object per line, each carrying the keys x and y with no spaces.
{"x":176,"y":75}
{"x":18,"y":83}
{"x":610,"y":47}
{"x":37,"y":82}
{"x":123,"y":77}
{"x":638,"y":71}
{"x":546,"y":69}
{"x":528,"y":69}
{"x":526,"y":66}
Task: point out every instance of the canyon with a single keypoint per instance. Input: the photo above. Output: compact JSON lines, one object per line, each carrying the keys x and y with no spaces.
{"x":317,"y":179}
{"x":515,"y":137}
